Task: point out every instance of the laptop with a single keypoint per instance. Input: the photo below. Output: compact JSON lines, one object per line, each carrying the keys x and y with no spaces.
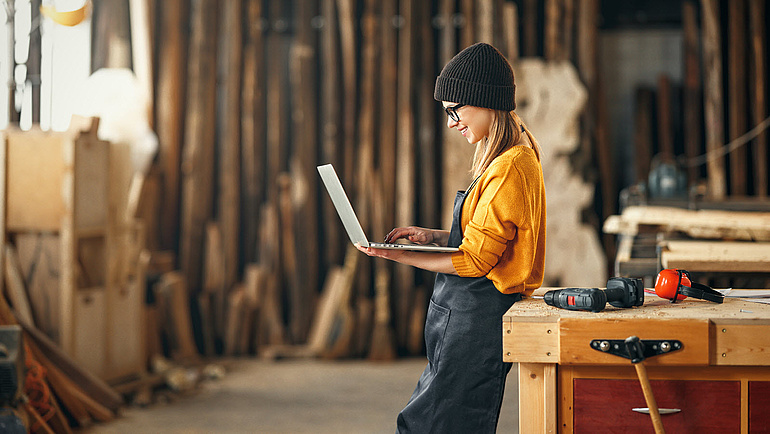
{"x":351,"y":223}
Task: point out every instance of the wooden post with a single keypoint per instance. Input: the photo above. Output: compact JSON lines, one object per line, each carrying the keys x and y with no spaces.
{"x":736,"y":107}
{"x":198,"y":158}
{"x":712,"y":89}
{"x":230,"y":139}
{"x":758,"y":86}
{"x":692,"y":88}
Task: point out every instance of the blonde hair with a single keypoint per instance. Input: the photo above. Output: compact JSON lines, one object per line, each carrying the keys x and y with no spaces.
{"x":505,"y":131}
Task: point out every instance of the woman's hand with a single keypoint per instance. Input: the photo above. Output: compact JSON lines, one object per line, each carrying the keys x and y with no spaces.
{"x":418,"y":235}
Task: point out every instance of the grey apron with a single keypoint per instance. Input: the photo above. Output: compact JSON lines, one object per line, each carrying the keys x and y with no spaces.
{"x":461,"y":389}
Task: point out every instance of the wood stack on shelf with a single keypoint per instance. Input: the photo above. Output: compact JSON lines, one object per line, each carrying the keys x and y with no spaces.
{"x":73,"y":251}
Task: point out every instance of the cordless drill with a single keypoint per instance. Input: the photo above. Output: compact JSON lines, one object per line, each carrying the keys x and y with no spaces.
{"x":620,"y":292}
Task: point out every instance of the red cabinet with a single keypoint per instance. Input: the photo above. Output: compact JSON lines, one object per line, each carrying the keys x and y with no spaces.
{"x":602,"y":405}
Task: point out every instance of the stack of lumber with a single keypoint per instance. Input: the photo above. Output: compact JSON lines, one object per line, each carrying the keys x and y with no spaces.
{"x":708,"y":241}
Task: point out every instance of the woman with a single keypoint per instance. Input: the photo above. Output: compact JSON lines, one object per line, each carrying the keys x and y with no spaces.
{"x":499,"y":226}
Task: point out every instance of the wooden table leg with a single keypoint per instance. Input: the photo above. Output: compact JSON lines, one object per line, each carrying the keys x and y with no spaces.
{"x":537,"y":398}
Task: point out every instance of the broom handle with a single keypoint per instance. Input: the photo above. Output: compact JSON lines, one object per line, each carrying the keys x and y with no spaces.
{"x":641,"y":371}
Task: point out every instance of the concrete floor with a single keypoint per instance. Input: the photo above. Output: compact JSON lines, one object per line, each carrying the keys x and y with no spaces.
{"x":294,"y":396}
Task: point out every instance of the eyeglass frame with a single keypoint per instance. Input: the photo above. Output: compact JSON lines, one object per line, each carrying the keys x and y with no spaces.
{"x":451,"y":111}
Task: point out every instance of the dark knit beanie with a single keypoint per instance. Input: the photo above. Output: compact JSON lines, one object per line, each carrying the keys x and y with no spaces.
{"x":479,"y":76}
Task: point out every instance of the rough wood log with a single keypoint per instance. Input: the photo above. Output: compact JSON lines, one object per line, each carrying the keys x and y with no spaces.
{"x":198,"y":154}
{"x":252,"y":129}
{"x":712,"y":90}
{"x":758,"y":89}
{"x":228,"y":147}
{"x":170,"y":103}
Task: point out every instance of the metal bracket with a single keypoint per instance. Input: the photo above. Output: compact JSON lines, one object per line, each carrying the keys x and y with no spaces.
{"x":637,"y":350}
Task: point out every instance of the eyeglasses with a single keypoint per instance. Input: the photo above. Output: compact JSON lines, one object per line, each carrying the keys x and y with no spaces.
{"x":451,"y":111}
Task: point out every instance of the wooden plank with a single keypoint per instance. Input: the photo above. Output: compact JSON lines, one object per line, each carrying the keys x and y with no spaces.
{"x":698,"y":224}
{"x":383,"y":343}
{"x":235,"y":310}
{"x":719,"y":256}
{"x":712,"y":89}
{"x":170,"y":106}
{"x":289,"y":265}
{"x":141,"y":21}
{"x":429,"y":192}
{"x":173,"y":289}
{"x":736,"y":104}
{"x":228,"y":148}
{"x":758,"y":89}
{"x":551,"y":41}
{"x":691,"y":105}
{"x":252,"y":129}
{"x":198,"y":153}
{"x":39,"y":155}
{"x":575,"y":335}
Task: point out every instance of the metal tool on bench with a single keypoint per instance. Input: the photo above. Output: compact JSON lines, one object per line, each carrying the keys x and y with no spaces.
{"x":621,"y":292}
{"x":637,"y":350}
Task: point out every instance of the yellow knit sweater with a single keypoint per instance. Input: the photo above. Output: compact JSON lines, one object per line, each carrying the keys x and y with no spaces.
{"x":503,"y":223}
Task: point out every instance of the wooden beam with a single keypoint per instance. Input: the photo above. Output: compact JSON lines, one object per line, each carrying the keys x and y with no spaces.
{"x":712,"y":89}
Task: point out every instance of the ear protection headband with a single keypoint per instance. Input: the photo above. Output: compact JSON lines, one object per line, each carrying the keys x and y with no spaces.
{"x":677,"y":285}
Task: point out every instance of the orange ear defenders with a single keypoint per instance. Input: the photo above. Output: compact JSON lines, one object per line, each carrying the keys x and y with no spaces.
{"x":677,"y":285}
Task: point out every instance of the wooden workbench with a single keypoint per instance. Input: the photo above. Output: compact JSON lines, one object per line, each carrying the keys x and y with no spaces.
{"x":720,"y":379}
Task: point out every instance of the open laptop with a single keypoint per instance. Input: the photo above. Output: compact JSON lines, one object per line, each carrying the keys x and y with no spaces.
{"x":351,"y":223}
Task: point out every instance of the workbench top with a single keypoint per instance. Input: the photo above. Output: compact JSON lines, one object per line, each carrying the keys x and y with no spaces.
{"x":532,"y":308}
{"x":736,"y":332}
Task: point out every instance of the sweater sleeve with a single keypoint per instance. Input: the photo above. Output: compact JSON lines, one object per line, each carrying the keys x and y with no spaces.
{"x":499,"y":213}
